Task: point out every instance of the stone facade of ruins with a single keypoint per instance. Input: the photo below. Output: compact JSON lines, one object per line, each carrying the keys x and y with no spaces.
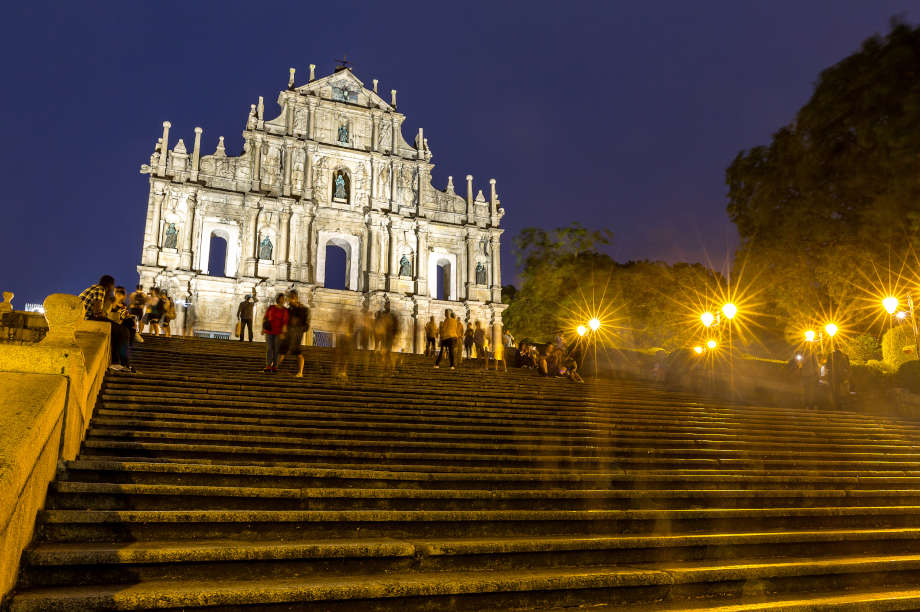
{"x":331,"y":170}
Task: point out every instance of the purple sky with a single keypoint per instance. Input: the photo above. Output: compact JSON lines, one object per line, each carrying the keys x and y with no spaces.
{"x":617,"y":115}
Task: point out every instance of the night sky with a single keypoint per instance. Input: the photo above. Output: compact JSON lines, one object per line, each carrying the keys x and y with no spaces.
{"x":616,"y":115}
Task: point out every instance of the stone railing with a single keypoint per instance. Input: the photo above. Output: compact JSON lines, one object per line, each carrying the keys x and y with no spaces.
{"x":48,"y":391}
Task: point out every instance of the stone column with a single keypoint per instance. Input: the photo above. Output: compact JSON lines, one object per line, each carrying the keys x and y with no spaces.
{"x":375,"y":137}
{"x":471,"y":214}
{"x":496,"y":270}
{"x":420,"y":145}
{"x":308,"y":173}
{"x":493,"y":201}
{"x":394,"y":205}
{"x":284,"y":250}
{"x":308,"y":258}
{"x":164,"y":150}
{"x":312,"y":119}
{"x":196,"y":153}
{"x":395,"y":133}
{"x":391,"y":254}
{"x":195,"y":231}
{"x":471,"y":263}
{"x":257,"y":163}
{"x":249,"y":238}
{"x":289,"y":117}
{"x":185,"y":259}
{"x":289,"y":162}
{"x":422,"y":259}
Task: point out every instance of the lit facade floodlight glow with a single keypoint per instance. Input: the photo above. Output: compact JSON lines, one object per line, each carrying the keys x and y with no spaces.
{"x":890,"y":304}
{"x":730,"y":310}
{"x":711,"y":344}
{"x":698,"y":349}
{"x":831,"y":329}
{"x":707,"y":319}
{"x":594,"y":324}
{"x":799,"y":357}
{"x":581,"y":330}
{"x":900,"y":315}
{"x":810,"y":336}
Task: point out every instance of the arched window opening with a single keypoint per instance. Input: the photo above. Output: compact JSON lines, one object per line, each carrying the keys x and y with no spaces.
{"x":336,"y":272}
{"x":217,"y":256}
{"x":443,"y":281}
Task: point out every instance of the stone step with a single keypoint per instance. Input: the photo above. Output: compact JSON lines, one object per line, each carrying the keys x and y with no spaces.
{"x":851,"y":601}
{"x":235,"y":475}
{"x":479,"y":590}
{"x":109,"y":496}
{"x":608,"y":448}
{"x":108,"y":419}
{"x":116,"y":525}
{"x":128,"y":562}
{"x":596,"y":420}
{"x":349,"y":452}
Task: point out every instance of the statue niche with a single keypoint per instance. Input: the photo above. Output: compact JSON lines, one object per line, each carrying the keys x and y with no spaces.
{"x":341,"y":186}
{"x":406,"y":266}
{"x":480,"y":274}
{"x":343,"y":136}
{"x":265,"y":248}
{"x":171,"y":236}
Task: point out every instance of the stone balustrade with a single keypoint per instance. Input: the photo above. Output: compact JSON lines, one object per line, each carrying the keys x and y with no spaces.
{"x":48,"y":390}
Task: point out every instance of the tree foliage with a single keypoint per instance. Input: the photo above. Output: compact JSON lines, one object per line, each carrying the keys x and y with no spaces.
{"x":834,"y":197}
{"x":566,"y":280}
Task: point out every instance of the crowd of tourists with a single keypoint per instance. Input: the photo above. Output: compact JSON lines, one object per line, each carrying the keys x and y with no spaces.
{"x":128,"y":315}
{"x":287,"y":321}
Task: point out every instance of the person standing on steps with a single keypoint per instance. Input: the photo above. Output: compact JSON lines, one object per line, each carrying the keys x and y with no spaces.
{"x":431,"y":330}
{"x":479,"y":341}
{"x":122,"y":330}
{"x":245,"y":315}
{"x":450,"y":332}
{"x":274,"y":326}
{"x":298,"y":322}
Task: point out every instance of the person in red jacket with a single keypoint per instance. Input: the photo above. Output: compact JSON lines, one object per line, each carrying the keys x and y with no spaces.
{"x":274,"y":326}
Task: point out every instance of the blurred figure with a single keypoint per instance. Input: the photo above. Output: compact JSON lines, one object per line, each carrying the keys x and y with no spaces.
{"x":274,"y":326}
{"x":431,"y":331}
{"x":345,"y":345}
{"x":450,"y":331}
{"x":389,"y":328}
{"x":136,"y":302}
{"x":167,"y":312}
{"x":468,"y":341}
{"x":298,"y":322}
{"x":479,"y":341}
{"x":839,"y":373}
{"x":809,"y":379}
{"x":152,"y":311}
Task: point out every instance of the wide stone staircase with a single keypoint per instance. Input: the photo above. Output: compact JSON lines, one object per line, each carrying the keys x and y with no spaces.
{"x":204,"y":483}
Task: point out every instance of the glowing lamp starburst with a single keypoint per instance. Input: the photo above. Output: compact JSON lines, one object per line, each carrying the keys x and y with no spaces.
{"x":900,"y":315}
{"x":831,"y":329}
{"x":581,"y":330}
{"x":698,"y":349}
{"x":890,"y":304}
{"x":707,"y":319}
{"x":810,"y":336}
{"x":730,"y":310}
{"x":711,"y":344}
{"x":594,"y":324}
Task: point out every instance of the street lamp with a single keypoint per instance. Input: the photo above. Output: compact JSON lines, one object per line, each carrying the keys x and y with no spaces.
{"x":831,"y":329}
{"x":581,"y":330}
{"x":594,"y":324}
{"x":698,"y":349}
{"x":730,"y":310}
{"x":711,"y":344}
{"x":900,"y":315}
{"x":810,"y":336}
{"x":890,"y":304}
{"x":707,"y":319}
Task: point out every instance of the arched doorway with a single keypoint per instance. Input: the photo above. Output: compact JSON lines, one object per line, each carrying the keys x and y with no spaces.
{"x":335,"y":273}
{"x":217,"y":256}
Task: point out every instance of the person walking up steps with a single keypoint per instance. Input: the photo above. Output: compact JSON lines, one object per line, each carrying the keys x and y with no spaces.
{"x":451,"y":331}
{"x":298,"y":322}
{"x":167,"y":312}
{"x":274,"y":325}
{"x":245,"y":315}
